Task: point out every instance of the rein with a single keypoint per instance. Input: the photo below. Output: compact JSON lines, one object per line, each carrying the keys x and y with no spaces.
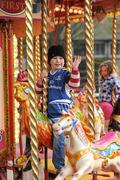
{"x":72,"y":124}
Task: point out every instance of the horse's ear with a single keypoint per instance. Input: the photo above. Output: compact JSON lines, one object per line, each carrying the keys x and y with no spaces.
{"x":64,"y":113}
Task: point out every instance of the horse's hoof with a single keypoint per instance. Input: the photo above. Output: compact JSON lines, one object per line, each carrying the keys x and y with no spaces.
{"x":28,"y":166}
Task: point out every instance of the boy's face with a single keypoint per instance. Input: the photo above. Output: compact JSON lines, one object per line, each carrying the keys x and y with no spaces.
{"x":57,"y":63}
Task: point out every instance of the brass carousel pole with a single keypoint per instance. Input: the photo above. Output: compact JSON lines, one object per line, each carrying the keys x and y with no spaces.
{"x":38,"y":58}
{"x":92,"y":47}
{"x":31,"y":81}
{"x":35,"y":58}
{"x":45,"y":67}
{"x":89,"y":60}
{"x":16,"y":104}
{"x":20,"y":59}
{"x":37,"y":64}
{"x":68,"y":41}
{"x":114,"y":46}
{"x":114,"y":42}
{"x":20,"y":53}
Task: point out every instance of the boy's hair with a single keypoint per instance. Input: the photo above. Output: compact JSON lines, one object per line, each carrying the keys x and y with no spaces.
{"x":108,"y":65}
{"x":56,"y":51}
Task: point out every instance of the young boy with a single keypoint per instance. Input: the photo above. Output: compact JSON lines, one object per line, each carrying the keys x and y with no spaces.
{"x":60,"y":83}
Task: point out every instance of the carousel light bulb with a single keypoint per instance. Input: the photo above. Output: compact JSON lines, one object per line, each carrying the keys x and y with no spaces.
{"x":75,"y":11}
{"x":57,"y":8}
{"x":56,"y":22}
{"x":70,"y":10}
{"x":50,"y":12}
{"x":62,"y":9}
{"x":79,"y":11}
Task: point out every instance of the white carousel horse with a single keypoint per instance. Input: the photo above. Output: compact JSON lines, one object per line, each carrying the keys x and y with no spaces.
{"x":83,"y":157}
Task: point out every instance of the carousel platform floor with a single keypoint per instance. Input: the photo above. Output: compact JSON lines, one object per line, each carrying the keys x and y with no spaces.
{"x":51,"y":170}
{"x":86,"y":177}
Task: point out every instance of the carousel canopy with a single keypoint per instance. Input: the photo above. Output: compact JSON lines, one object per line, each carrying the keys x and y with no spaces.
{"x":15,"y":9}
{"x":107,"y":5}
{"x":76,"y":9}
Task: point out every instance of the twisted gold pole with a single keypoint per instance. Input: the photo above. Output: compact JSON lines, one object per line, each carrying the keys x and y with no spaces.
{"x":68,"y":41}
{"x":35,"y":58}
{"x":92,"y":42}
{"x":16,"y":71}
{"x":44,"y":53}
{"x":114,"y":42}
{"x":31,"y":80}
{"x":16,"y":62}
{"x":114,"y":46}
{"x":89,"y":61}
{"x":45,"y":67}
{"x":38,"y":58}
{"x":20,"y":51}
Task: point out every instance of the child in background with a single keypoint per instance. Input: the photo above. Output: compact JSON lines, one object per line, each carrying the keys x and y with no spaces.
{"x":108,"y":83}
{"x":60,"y":83}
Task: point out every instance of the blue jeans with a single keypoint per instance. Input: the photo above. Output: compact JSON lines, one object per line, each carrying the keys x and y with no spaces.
{"x":54,"y":113}
{"x":58,"y":157}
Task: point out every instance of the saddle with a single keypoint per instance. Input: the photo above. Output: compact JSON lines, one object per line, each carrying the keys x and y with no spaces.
{"x":108,"y":146}
{"x":106,"y":140}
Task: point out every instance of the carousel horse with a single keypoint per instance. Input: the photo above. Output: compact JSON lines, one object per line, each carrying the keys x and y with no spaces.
{"x":44,"y":126}
{"x":83,"y":156}
{"x":81,"y":103}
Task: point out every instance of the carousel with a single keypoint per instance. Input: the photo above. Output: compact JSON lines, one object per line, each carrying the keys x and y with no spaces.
{"x":24,"y":29}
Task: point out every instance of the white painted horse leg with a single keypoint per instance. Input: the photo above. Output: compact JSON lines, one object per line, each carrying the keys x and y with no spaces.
{"x":85,"y":169}
{"x":66,"y":171}
{"x":97,"y":136}
{"x":117,"y":176}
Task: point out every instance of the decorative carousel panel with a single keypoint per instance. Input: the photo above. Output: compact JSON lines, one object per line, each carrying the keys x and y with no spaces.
{"x":14,"y":11}
{"x":12,"y":7}
{"x":2,"y":122}
{"x":3,"y":107}
{"x":6,"y":94}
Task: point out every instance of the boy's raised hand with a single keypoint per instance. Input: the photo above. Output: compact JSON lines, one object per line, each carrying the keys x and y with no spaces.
{"x":76,"y":62}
